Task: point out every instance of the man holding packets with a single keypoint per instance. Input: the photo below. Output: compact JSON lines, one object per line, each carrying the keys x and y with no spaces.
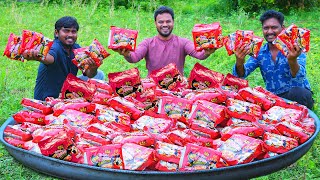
{"x":57,"y":64}
{"x":165,"y":48}
{"x":284,"y":75}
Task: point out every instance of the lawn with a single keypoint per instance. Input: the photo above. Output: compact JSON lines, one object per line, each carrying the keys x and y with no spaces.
{"x":17,"y":79}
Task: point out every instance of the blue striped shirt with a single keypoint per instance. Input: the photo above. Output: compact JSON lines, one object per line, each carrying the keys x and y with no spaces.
{"x":276,"y":75}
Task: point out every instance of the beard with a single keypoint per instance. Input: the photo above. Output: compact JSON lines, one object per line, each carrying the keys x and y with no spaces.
{"x":165,"y":34}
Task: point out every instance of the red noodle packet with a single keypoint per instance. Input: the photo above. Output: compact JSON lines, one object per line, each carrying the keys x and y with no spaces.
{"x":73,"y":87}
{"x":29,"y":116}
{"x":126,"y":82}
{"x":240,"y":149}
{"x":207,"y":36}
{"x":168,"y":78}
{"x":203,"y":78}
{"x":120,"y":38}
{"x":36,"y":105}
{"x":279,"y":144}
{"x":136,"y":157}
{"x":238,"y":83}
{"x":199,"y":158}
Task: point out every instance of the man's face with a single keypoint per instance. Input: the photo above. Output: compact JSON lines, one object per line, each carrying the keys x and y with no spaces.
{"x":164,"y":24}
{"x":68,"y":36}
{"x":271,"y":28}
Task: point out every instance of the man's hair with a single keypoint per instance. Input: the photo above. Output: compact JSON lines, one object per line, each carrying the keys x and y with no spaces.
{"x":66,"y":22}
{"x":272,"y":14}
{"x":163,"y":9}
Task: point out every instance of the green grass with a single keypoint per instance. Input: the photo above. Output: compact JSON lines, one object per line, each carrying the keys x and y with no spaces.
{"x":17,"y":79}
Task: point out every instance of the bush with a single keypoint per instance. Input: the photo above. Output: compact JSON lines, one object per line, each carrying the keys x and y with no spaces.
{"x":284,"y":6}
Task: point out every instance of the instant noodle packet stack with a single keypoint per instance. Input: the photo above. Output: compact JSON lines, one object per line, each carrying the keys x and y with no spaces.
{"x":37,"y":41}
{"x":243,"y":37}
{"x":240,"y":149}
{"x":29,"y":40}
{"x":120,"y":38}
{"x":290,"y":36}
{"x":207,"y":36}
{"x":278,"y":144}
{"x":36,"y":106}
{"x":136,"y":157}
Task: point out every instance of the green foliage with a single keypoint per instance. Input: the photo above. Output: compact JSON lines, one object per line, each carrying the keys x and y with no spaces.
{"x":284,"y":6}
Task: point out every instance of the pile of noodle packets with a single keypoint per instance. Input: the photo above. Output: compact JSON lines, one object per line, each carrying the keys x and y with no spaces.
{"x":165,"y":122}
{"x":29,"y":40}
{"x":290,"y":36}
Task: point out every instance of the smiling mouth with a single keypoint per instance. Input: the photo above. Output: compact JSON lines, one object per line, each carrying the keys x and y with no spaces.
{"x":69,"y":40}
{"x":271,"y":36}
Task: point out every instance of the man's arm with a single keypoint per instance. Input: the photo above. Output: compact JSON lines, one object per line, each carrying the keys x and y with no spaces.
{"x":33,"y":56}
{"x":201,"y":55}
{"x":137,"y":55}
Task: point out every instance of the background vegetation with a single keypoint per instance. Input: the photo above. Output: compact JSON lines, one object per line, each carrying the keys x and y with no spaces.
{"x":17,"y":79}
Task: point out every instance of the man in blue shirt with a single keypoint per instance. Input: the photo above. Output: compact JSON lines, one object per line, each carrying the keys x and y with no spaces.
{"x":283,"y":76}
{"x":53,"y":70}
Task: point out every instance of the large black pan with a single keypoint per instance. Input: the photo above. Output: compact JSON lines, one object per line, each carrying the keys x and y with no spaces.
{"x":68,"y":170}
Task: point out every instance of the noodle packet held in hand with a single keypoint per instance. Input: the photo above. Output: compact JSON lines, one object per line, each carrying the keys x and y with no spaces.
{"x":290,"y":36}
{"x":94,"y":51}
{"x":229,"y":43}
{"x":303,"y":39}
{"x":80,"y":56}
{"x":97,"y":52}
{"x":255,"y":45}
{"x":243,"y":37}
{"x":207,"y":36}
{"x":120,"y":38}
{"x":32,"y":40}
{"x":12,"y":49}
{"x":247,"y":38}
